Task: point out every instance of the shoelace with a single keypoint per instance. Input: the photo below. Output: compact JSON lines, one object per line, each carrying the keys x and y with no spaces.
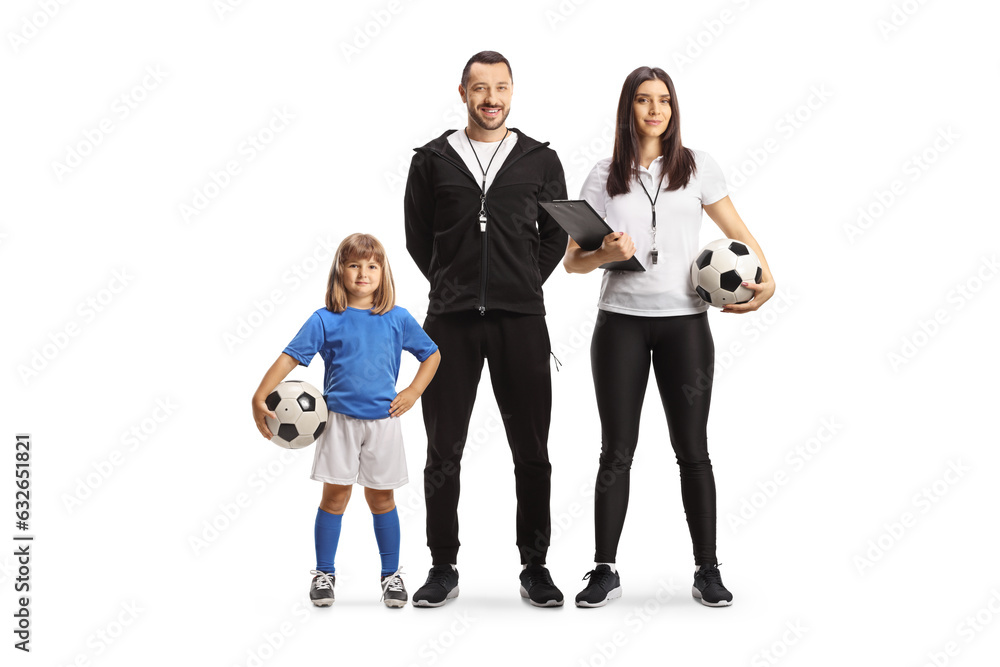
{"x":539,"y":577}
{"x":711,"y":574}
{"x":558,"y":363}
{"x":392,"y":583}
{"x":602,"y":578}
{"x":323,"y":581}
{"x":439,"y":575}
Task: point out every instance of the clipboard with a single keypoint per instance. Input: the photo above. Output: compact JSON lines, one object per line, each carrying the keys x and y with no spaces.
{"x":587,"y":228}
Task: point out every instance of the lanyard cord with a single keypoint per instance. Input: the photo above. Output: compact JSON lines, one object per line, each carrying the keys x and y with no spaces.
{"x":482,"y":195}
{"x":652,"y":206}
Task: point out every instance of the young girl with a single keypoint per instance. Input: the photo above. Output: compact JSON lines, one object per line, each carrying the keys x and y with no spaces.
{"x":655,"y":318}
{"x":360,"y":335}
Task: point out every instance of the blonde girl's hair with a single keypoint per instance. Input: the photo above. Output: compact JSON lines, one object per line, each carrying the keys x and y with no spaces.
{"x":354,"y":248}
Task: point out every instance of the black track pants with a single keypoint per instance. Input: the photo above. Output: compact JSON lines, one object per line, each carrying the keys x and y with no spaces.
{"x":517,"y":347}
{"x":683,"y":355}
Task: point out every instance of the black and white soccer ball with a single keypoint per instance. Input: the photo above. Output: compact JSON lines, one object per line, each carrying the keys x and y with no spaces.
{"x":301,"y":411}
{"x":720,"y":269}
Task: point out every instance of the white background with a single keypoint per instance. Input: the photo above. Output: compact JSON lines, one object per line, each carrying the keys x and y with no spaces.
{"x":813,"y":110}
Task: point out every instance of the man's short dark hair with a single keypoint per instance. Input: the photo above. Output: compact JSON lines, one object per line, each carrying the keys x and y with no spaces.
{"x":487,"y":58}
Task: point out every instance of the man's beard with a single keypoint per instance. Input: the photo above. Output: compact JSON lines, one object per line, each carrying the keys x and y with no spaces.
{"x":488,"y":123}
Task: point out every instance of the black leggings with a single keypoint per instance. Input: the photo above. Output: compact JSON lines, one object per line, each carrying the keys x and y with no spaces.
{"x":683,"y":356}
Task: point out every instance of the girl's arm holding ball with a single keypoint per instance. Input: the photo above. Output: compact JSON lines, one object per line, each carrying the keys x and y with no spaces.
{"x":278,"y":371}
{"x":405,"y":399}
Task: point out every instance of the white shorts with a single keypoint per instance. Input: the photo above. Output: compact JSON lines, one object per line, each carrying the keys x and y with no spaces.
{"x":367,"y":451}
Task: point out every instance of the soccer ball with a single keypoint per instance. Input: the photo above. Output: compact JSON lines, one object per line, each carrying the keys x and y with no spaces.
{"x":720,"y":269}
{"x":301,"y":411}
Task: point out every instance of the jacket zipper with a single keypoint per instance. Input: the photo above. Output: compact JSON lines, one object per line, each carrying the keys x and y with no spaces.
{"x":484,"y":270}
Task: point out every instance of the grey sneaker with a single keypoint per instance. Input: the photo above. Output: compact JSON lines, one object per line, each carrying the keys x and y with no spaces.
{"x":603,"y":587}
{"x":708,"y":588}
{"x":441,"y":586}
{"x":393,"y":591}
{"x":537,"y":587}
{"x":321,"y":590}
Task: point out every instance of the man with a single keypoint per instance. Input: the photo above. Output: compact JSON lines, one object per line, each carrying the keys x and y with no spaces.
{"x":476,"y":231}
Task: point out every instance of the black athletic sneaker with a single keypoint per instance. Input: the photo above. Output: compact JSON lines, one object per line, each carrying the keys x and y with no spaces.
{"x":441,"y":586}
{"x":604,"y":586}
{"x":537,"y":586}
{"x":321,"y":590}
{"x":708,"y":588}
{"x":393,"y":591}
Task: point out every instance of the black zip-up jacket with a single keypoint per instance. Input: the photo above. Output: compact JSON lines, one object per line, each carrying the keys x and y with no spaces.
{"x":504,"y":267}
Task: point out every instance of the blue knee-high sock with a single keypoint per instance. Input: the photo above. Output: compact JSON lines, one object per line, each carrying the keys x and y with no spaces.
{"x":327,"y":537}
{"x":387,"y":536}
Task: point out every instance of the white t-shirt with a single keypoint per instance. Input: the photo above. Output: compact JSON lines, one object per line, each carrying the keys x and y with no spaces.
{"x":665,"y":287}
{"x":484,"y":149}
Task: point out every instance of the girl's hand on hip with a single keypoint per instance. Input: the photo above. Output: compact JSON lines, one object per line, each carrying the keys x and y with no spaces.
{"x":403,"y":402}
{"x":761,"y":293}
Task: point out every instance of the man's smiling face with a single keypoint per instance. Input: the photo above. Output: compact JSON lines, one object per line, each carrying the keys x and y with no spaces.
{"x":488,"y":95}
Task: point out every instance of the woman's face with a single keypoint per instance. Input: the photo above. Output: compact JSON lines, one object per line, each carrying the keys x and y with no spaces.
{"x":651,"y":107}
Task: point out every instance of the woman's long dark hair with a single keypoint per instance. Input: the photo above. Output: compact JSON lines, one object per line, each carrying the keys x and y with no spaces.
{"x":678,"y":161}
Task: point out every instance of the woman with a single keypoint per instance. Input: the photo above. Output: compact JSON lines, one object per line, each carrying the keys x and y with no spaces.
{"x":655,"y":317}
